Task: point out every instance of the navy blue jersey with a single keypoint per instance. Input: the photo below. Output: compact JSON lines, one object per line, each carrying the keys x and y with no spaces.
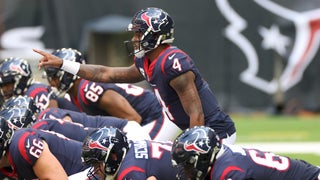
{"x":143,"y":101}
{"x":239,"y":163}
{"x":65,"y":103}
{"x":171,"y":63}
{"x":26,"y":147}
{"x":71,"y":130}
{"x":96,"y":121}
{"x":41,"y":93}
{"x":83,"y":118}
{"x":147,"y":158}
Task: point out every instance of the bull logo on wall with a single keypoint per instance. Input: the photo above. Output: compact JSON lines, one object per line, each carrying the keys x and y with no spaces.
{"x":297,"y":47}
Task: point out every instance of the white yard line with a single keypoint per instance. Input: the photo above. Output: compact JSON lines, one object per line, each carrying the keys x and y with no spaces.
{"x":285,"y":147}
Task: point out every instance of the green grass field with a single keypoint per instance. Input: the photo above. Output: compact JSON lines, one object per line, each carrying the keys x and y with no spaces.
{"x":268,"y":128}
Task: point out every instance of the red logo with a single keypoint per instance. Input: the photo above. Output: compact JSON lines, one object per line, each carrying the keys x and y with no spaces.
{"x":97,"y":145}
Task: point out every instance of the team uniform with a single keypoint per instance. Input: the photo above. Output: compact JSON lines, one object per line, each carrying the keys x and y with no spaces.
{"x":147,"y":158}
{"x":41,"y":93}
{"x":26,"y":141}
{"x":83,"y":118}
{"x":171,"y":63}
{"x":143,"y":101}
{"x":85,"y":124}
{"x":71,"y":130}
{"x":65,"y":103}
{"x":237,"y":163}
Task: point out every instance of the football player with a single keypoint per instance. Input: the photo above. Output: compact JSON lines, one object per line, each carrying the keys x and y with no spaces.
{"x":38,"y":154}
{"x":22,"y":112}
{"x":185,"y":96}
{"x":16,"y":78}
{"x":200,"y":152}
{"x":121,"y":100}
{"x":112,"y":156}
{"x":132,"y":129}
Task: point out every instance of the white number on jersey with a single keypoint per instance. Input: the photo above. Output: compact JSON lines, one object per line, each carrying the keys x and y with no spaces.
{"x":36,"y":147}
{"x":176,"y":64}
{"x":163,"y":104}
{"x":93,"y":92}
{"x":158,"y":148}
{"x":131,"y":89}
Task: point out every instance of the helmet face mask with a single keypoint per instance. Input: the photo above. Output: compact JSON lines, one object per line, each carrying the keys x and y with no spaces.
{"x":195,"y":150}
{"x":154,"y":27}
{"x":6,"y":134}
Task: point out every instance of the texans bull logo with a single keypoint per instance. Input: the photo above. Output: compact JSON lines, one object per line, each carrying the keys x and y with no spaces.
{"x":96,"y":144}
{"x":20,"y":68}
{"x":152,"y":22}
{"x":198,"y":144}
{"x":297,"y":47}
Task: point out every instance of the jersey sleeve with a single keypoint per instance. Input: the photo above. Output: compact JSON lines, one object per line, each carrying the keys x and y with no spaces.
{"x":176,"y":63}
{"x":28,"y":149}
{"x":93,"y":92}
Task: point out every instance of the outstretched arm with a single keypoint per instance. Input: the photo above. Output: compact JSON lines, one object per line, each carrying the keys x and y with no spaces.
{"x":97,"y":73}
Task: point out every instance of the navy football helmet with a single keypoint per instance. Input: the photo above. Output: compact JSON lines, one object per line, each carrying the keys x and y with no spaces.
{"x":20,"y":111}
{"x":156,"y":26}
{"x":66,"y":79}
{"x":195,"y":149}
{"x":6,"y":133}
{"x":106,"y":145}
{"x":18,"y":71}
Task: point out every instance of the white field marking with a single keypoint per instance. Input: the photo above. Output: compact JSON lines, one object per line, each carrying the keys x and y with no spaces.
{"x":285,"y":147}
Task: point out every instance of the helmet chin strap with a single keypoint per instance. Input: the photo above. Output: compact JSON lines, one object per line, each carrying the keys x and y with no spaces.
{"x":139,"y":53}
{"x":1,"y":91}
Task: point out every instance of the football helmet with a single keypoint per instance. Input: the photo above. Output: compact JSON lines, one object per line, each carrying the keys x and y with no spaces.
{"x":156,"y":26}
{"x":18,"y":71}
{"x":195,"y":150}
{"x":6,"y":133}
{"x":106,"y":145}
{"x":66,"y":79}
{"x":20,"y":111}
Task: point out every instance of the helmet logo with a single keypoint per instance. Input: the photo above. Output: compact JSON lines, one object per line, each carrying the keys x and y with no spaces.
{"x":97,"y":145}
{"x":153,"y":22}
{"x":20,"y":101}
{"x":19,"y":69}
{"x":200,"y":144}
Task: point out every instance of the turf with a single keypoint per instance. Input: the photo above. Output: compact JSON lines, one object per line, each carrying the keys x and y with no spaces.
{"x":311,"y":158}
{"x":265,"y":128}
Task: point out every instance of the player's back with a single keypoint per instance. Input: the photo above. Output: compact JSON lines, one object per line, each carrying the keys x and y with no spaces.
{"x":26,"y":147}
{"x":143,"y":101}
{"x":83,"y":118}
{"x":241,"y":163}
{"x":148,"y":158}
{"x":71,"y":130}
